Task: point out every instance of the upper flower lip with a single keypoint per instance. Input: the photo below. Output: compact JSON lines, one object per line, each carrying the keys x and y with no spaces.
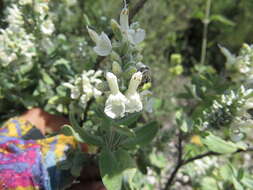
{"x":134,"y":103}
{"x":134,"y":82}
{"x":103,"y":43}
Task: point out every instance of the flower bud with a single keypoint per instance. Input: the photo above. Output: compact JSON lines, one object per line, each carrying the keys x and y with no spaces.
{"x":116,"y":68}
{"x":116,"y":29}
{"x":93,"y":35}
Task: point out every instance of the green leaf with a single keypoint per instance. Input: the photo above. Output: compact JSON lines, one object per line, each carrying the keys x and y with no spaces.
{"x":26,"y":68}
{"x":130,"y":119}
{"x":109,"y":170}
{"x":222,"y":19}
{"x":236,"y":184}
{"x":209,"y":183}
{"x":84,"y":135}
{"x":144,"y":135}
{"x":240,"y":174}
{"x":78,"y":162}
{"x":124,"y":130}
{"x":216,"y":144}
{"x":46,"y":78}
{"x":226,"y":172}
{"x":247,"y":181}
{"x":126,"y":165}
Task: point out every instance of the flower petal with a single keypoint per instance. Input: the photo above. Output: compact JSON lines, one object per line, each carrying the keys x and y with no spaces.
{"x":124,"y":23}
{"x":104,"y":46}
{"x":134,"y":103}
{"x":138,"y":36}
{"x":115,"y":106}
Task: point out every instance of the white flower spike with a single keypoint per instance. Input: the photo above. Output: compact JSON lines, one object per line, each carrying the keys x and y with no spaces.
{"x":134,"y":103}
{"x":115,"y":104}
{"x":135,"y":36}
{"x":103,"y":43}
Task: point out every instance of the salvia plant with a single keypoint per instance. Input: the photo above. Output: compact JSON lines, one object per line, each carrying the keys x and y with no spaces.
{"x":120,"y":96}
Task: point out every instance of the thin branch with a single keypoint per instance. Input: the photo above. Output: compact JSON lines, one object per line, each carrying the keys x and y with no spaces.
{"x":210,"y":153}
{"x":136,"y":9}
{"x":198,"y":157}
{"x":179,"y":161}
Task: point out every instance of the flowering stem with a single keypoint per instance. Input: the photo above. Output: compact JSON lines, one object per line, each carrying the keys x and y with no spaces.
{"x":205,"y":32}
{"x":134,"y":11}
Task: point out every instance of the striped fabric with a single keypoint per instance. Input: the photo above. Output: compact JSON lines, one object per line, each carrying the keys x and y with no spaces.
{"x":31,"y":164}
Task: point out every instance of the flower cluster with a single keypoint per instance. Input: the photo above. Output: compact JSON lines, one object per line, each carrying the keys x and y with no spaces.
{"x":118,"y":104}
{"x":84,"y":88}
{"x":125,"y":63}
{"x":241,"y":66}
{"x":15,"y":43}
{"x":227,"y":108}
{"x":131,"y":33}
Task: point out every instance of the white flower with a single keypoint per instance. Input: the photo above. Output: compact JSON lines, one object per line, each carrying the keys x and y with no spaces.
{"x":85,"y":87}
{"x":47,"y":27}
{"x":75,"y":93}
{"x":15,"y":18}
{"x":103,"y":44}
{"x":115,"y":104}
{"x":25,"y":2}
{"x":134,"y":103}
{"x":134,"y":35}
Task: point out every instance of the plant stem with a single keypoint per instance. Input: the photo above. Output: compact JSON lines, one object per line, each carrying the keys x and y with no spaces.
{"x":198,"y":157}
{"x":179,"y":161}
{"x":206,"y":22}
